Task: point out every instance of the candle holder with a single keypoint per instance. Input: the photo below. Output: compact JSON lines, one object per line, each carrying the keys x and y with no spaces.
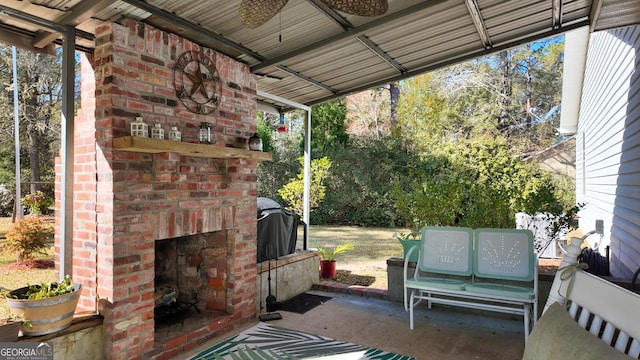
{"x":175,"y":134}
{"x":139,"y":128}
{"x":157,"y":132}
{"x":205,"y":133}
{"x":255,"y":143}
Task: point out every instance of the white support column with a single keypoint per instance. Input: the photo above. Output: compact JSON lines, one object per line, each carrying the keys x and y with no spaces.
{"x":307,"y":158}
{"x":16,"y":119}
{"x":307,"y":176}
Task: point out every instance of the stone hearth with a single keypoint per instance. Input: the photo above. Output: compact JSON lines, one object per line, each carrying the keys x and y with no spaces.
{"x":124,"y":202}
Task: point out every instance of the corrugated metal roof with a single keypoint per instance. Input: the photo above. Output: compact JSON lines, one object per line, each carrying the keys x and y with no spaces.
{"x":307,"y":55}
{"x":617,"y":13}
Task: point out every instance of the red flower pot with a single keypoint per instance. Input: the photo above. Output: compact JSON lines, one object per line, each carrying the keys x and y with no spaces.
{"x":327,"y":269}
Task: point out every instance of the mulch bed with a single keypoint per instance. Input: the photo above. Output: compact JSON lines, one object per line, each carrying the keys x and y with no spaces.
{"x":29,"y":265}
{"x":346,"y":277}
{"x":548,"y":265}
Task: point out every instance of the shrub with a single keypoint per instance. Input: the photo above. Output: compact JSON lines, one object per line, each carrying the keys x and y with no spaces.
{"x":431,"y":192}
{"x":293,"y":192}
{"x":359,"y":184}
{"x":6,"y":200}
{"x":273,"y":175}
{"x":28,"y":237}
{"x":474,"y":184}
{"x":35,"y":202}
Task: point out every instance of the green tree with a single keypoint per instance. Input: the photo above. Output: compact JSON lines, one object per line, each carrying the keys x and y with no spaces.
{"x":39,"y":101}
{"x":265,"y":131}
{"x":541,"y":69}
{"x":476,"y":183}
{"x":359,"y":184}
{"x":448,"y":155}
{"x":328,"y":126}
{"x":368,"y":113}
{"x":273,"y":175}
{"x":429,"y":193}
{"x":514,"y":93}
{"x":421,"y":120}
{"x":293,"y":192}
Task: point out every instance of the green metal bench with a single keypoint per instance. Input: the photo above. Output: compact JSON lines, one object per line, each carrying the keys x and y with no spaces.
{"x":487,"y":269}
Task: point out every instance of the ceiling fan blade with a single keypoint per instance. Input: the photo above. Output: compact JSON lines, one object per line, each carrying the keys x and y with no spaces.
{"x":359,"y":7}
{"x":254,"y":13}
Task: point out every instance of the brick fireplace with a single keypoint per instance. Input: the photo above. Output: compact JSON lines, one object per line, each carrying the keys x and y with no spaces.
{"x":126,"y":202}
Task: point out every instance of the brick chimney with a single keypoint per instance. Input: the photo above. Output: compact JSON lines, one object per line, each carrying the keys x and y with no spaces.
{"x":124,"y":202}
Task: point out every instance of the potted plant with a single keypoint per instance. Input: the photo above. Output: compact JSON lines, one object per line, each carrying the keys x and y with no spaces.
{"x":328,"y":262}
{"x":45,"y":308}
{"x":408,"y":241}
{"x":9,"y":329}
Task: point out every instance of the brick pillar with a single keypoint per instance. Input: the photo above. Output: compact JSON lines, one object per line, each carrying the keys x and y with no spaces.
{"x":84,"y":193}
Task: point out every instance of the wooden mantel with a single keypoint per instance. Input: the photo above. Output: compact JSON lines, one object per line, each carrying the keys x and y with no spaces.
{"x":154,"y":146}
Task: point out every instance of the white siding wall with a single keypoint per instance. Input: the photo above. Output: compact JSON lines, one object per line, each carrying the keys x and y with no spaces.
{"x":608,"y":146}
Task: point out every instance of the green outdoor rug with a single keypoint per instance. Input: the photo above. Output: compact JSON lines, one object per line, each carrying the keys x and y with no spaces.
{"x":265,"y":341}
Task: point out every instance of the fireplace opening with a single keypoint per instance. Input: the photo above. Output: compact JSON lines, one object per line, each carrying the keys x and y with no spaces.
{"x":189,"y":282}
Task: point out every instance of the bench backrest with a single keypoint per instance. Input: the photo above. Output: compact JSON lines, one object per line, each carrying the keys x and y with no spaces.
{"x":606,"y":310}
{"x":446,"y":250}
{"x":504,"y":254}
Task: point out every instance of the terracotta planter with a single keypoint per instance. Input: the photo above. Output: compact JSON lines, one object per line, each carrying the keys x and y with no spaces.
{"x":46,"y":315}
{"x":327,"y":269}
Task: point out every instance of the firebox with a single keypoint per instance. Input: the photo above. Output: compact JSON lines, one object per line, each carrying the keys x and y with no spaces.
{"x":190,"y":273}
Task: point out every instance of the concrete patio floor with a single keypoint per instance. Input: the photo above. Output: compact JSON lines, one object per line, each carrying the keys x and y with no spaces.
{"x":440,"y":333}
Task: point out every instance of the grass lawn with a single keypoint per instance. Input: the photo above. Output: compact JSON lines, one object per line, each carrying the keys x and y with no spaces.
{"x":5,"y":223}
{"x":16,"y":278}
{"x":366,"y":264}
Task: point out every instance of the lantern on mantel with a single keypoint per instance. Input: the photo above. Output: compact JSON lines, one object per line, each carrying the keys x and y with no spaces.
{"x":175,"y":134}
{"x":139,"y":128}
{"x":255,"y":142}
{"x":157,"y":132}
{"x":205,"y":133}
{"x":281,"y":126}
